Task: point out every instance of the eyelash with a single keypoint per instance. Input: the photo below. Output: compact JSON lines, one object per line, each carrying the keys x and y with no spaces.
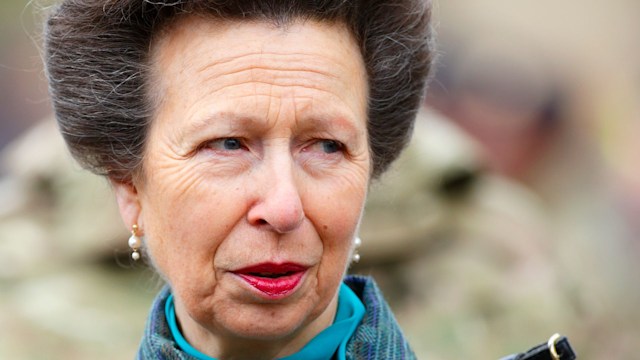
{"x":339,"y":147}
{"x":223,"y":142}
{"x":239,"y":144}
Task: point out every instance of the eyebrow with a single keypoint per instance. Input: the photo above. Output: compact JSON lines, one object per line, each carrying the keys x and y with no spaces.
{"x":238,"y":121}
{"x":322,"y":122}
{"x":214,"y":119}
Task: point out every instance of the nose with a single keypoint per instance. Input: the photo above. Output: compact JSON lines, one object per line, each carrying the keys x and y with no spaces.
{"x":278,"y":206}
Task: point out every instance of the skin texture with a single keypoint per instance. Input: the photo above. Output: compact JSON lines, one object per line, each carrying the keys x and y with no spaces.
{"x":257,"y":153}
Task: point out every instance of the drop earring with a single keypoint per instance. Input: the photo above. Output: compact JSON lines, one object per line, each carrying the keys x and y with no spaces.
{"x":356,"y":255}
{"x":135,"y":242}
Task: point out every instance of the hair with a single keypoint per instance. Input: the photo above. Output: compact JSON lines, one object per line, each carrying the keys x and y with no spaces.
{"x":97,"y":55}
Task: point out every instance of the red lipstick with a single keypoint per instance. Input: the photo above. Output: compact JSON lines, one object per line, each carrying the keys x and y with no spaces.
{"x":274,"y":280}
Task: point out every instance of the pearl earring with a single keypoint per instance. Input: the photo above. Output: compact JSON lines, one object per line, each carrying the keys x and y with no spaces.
{"x":356,"y":256}
{"x":134,"y":243}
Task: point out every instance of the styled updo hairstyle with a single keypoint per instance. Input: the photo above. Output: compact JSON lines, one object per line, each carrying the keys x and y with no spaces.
{"x":97,"y":61}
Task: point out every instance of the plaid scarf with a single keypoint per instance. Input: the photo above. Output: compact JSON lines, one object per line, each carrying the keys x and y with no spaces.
{"x":377,"y":337}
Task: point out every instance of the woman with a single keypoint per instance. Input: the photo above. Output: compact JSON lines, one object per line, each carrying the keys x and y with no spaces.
{"x":240,"y":138}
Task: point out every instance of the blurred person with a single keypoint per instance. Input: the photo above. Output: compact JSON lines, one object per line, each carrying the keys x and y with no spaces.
{"x":465,"y":236}
{"x":534,"y":112}
{"x":241,"y":138}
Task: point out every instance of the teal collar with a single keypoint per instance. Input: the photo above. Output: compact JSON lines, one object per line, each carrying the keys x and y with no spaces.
{"x":332,"y":340}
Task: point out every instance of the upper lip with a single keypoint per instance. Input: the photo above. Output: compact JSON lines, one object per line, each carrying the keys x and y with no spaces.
{"x":269,"y":268}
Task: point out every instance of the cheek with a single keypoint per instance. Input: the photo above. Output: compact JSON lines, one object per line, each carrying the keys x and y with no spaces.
{"x":184,"y":225}
{"x":340,"y":204}
{"x":337,"y":215}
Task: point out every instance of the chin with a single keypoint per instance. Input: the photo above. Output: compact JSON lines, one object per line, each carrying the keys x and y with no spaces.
{"x":268,"y":332}
{"x":267,"y":328}
{"x":269,"y":322}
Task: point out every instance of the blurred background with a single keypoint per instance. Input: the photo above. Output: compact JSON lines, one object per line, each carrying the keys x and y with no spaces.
{"x":514,"y":213}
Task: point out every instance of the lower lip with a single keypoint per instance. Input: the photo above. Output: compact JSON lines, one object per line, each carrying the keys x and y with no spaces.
{"x":274,"y":288}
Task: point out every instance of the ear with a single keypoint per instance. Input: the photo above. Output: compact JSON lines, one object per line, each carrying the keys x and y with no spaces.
{"x":128,"y":203}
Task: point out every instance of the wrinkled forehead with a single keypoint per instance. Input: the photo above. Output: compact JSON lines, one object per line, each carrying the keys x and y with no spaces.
{"x":328,"y":46}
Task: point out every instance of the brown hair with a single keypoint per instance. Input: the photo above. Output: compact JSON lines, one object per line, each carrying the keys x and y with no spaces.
{"x":97,"y":61}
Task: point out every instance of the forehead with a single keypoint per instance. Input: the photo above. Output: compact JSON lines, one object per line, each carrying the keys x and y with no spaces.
{"x":220,"y":52}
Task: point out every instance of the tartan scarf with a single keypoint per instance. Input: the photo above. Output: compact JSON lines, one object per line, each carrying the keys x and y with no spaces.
{"x":377,"y":337}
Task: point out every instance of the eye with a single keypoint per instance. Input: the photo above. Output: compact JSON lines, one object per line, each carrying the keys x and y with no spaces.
{"x":330,"y":146}
{"x":227,"y":144}
{"x":325,"y":147}
{"x":231,"y":144}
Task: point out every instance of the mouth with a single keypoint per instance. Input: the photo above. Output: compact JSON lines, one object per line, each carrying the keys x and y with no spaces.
{"x":276,"y":281}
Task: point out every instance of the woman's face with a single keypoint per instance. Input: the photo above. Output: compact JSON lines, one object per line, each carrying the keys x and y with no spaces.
{"x":255,"y":173}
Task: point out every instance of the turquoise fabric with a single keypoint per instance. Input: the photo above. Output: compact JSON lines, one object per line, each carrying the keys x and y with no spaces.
{"x":323,"y":346}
